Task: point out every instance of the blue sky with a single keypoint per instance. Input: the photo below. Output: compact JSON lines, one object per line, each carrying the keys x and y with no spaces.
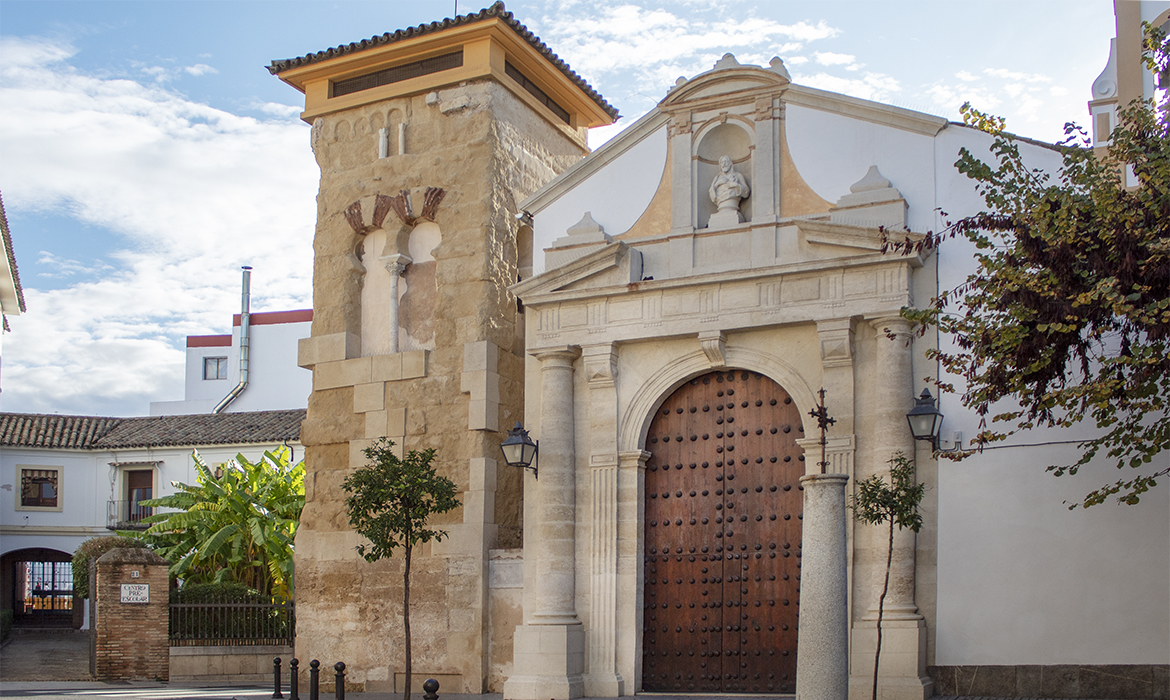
{"x":146,"y":153}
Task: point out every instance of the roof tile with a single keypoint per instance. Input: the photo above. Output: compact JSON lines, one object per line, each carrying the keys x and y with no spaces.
{"x":99,"y":433}
{"x":496,"y":10}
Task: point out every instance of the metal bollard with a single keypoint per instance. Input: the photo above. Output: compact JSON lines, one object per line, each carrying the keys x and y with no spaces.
{"x":293,"y":680}
{"x":276,"y":678}
{"x":339,"y":681}
{"x":431,"y":689}
{"x":314,"y":679}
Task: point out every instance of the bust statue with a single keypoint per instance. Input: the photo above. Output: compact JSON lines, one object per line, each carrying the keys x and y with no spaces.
{"x":727,"y":189}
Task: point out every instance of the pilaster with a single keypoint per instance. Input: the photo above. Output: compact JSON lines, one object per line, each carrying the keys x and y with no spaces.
{"x":601,"y":677}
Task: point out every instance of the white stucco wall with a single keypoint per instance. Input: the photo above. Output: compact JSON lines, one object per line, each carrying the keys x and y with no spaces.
{"x":832,"y":151}
{"x":275,"y":381}
{"x":1021,"y":579}
{"x":616,"y":195}
{"x":87,"y":483}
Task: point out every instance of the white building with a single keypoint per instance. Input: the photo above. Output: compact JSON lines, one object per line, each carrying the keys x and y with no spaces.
{"x":699,"y":280}
{"x":666,"y":283}
{"x":274,"y":382}
{"x":65,"y":479}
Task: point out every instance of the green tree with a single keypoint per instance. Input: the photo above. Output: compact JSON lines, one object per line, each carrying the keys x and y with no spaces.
{"x":391,"y":501}
{"x":1067,"y":314}
{"x":237,"y":525}
{"x":94,"y":548}
{"x":896,"y":503}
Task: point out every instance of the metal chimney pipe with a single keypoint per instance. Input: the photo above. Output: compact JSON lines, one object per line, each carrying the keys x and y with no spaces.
{"x":245,"y":341}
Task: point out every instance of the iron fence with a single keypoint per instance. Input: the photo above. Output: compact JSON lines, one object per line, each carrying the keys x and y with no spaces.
{"x":232,"y":621}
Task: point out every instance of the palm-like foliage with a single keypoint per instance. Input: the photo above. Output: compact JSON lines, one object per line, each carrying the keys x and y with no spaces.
{"x":237,"y":526}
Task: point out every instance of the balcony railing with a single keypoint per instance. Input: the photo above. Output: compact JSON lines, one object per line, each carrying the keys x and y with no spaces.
{"x":127,"y":515}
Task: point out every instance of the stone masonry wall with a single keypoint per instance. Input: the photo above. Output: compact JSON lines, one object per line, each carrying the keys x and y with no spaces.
{"x":131,"y":638}
{"x":487,"y":151}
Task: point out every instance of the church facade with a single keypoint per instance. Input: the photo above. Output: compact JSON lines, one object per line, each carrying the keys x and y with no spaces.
{"x":665,"y":315}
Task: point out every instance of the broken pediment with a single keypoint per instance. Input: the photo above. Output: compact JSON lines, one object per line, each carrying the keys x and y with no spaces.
{"x":613,"y":264}
{"x":728,"y":76}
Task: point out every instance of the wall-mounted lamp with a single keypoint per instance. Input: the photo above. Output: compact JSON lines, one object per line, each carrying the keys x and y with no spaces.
{"x":519,"y":449}
{"x":926,"y":422}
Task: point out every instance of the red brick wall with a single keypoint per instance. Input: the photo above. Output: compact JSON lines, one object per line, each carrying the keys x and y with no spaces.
{"x":131,"y":638}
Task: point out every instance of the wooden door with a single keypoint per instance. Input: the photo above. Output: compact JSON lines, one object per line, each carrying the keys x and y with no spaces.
{"x":722,"y":528}
{"x":139,"y":487}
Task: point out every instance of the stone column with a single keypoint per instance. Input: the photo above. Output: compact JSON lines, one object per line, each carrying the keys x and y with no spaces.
{"x":895,"y":391}
{"x":556,"y":512}
{"x":822,"y":662}
{"x":902,"y":672}
{"x":395,"y":265}
{"x":549,"y":648}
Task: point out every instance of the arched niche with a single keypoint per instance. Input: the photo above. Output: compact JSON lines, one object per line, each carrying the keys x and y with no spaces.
{"x":725,"y":137}
{"x":418,"y":289}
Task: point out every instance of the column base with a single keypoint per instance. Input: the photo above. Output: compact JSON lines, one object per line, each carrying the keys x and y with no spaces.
{"x":604,"y":685}
{"x":548,"y":663}
{"x":902,"y":672}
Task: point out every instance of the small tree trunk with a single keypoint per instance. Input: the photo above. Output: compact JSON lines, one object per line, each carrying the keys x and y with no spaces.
{"x":406,"y":619}
{"x":881,"y":605}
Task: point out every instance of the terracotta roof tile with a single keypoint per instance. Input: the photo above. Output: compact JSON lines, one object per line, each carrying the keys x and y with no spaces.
{"x":7,"y":243}
{"x":38,"y":430}
{"x":496,"y":10}
{"x":97,"y":433}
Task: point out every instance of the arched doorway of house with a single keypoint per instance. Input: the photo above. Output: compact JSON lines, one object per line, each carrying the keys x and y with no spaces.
{"x":37,"y":586}
{"x":722,"y":536}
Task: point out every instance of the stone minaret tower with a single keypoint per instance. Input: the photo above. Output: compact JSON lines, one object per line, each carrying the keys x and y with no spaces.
{"x":427,"y":139}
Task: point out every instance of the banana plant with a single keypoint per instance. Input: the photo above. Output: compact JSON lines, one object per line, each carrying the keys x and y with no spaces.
{"x":234,"y":524}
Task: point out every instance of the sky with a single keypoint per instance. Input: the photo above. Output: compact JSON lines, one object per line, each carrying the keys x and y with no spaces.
{"x":146,"y":153}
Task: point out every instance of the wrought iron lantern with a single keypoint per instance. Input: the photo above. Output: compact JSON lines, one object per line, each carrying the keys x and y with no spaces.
{"x":925,"y":419}
{"x":519,"y":449}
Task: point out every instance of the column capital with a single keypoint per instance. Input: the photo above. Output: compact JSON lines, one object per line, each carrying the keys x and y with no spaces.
{"x":395,"y":263}
{"x":633,"y":458}
{"x":892,"y":324}
{"x":558,"y":355}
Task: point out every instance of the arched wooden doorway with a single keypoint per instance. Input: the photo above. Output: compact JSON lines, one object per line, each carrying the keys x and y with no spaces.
{"x":722,"y":528}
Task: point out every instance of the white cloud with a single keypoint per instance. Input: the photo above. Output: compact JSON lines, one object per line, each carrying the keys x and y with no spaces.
{"x":276,"y":109}
{"x":828,"y":58}
{"x":632,"y":43}
{"x":965,"y":76}
{"x":66,"y":267}
{"x":160,"y":74}
{"x":871,"y":86}
{"x":796,"y":61}
{"x":1016,"y":75}
{"x":187,"y":193}
{"x":200,"y":69}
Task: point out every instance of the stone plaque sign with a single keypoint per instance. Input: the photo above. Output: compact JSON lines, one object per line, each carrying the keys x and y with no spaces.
{"x":135,"y":593}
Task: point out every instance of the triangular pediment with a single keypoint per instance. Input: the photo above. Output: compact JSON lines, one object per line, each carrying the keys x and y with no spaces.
{"x":613,"y":265}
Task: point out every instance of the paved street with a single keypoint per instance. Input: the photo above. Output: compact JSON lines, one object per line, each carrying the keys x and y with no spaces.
{"x":55,"y":666}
